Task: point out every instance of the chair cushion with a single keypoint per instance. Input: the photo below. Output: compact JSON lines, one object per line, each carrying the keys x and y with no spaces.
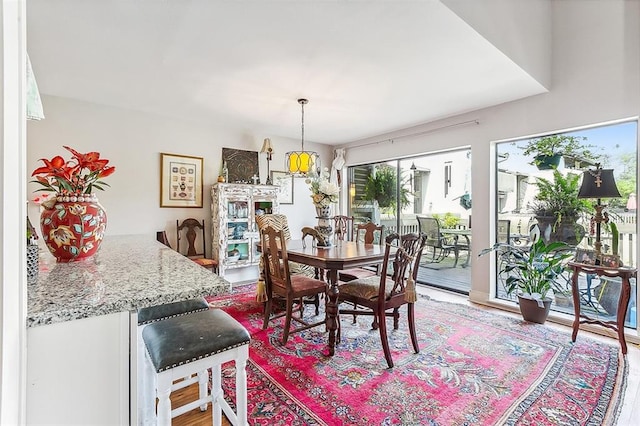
{"x":170,"y":310}
{"x":206,"y":262}
{"x":303,"y":283}
{"x":364,"y":288}
{"x":180,"y":340}
{"x":354,"y":274}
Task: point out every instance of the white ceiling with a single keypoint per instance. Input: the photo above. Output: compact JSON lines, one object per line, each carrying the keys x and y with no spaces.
{"x":366,"y":67}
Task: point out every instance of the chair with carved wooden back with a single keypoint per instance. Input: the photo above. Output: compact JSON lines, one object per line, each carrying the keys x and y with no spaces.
{"x":368,"y":233}
{"x":189,"y":230}
{"x":280,"y":222}
{"x":161,"y":236}
{"x":281,"y":283}
{"x":382,"y":296}
{"x":343,"y":227}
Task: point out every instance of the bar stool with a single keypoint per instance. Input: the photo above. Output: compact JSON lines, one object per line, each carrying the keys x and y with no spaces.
{"x":170,"y":310}
{"x":182,"y":346}
{"x":162,"y":312}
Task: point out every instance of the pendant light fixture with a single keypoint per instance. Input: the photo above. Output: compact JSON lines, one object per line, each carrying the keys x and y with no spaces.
{"x":302,"y":163}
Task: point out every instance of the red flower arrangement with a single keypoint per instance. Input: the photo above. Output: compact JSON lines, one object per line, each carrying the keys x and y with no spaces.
{"x":80,"y":175}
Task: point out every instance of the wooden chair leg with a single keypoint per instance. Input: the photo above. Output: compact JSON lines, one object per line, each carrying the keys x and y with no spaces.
{"x":382,"y":327}
{"x":287,"y":322}
{"x":267,"y":313}
{"x":396,"y":318}
{"x":412,"y":327}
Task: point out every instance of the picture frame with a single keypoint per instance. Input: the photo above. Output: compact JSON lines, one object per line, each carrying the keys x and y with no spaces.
{"x":181,"y":180}
{"x":585,"y":256}
{"x":610,"y":260}
{"x":242,"y":165}
{"x":285,"y":182}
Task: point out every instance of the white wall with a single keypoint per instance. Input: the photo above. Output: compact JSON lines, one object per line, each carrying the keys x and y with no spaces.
{"x":595,"y":78}
{"x":519,"y":28}
{"x":133,"y":141}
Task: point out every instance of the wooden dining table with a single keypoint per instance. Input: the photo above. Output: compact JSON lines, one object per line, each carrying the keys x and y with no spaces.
{"x":342,"y":255}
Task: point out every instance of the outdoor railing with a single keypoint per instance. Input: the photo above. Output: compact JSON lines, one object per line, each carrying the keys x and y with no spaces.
{"x":625,"y":221}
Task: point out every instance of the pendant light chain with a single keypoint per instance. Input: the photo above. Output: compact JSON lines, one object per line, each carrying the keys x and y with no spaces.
{"x":302,"y":163}
{"x":302,"y":102}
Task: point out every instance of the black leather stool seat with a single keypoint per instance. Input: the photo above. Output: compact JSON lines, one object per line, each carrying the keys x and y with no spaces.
{"x":180,"y":340}
{"x":170,"y":310}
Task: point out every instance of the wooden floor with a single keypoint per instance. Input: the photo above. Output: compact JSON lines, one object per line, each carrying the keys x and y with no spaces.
{"x":630,"y":415}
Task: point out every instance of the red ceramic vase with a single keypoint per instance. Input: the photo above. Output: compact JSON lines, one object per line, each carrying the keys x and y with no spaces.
{"x":73,"y":227}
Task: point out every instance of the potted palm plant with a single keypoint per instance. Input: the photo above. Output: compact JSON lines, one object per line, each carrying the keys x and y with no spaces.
{"x":530,"y":273}
{"x":381,"y":186}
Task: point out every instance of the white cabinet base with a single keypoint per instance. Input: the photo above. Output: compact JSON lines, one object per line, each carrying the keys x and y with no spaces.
{"x":78,"y":372}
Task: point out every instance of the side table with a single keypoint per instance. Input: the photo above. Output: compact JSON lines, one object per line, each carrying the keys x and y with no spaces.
{"x":625,"y":274}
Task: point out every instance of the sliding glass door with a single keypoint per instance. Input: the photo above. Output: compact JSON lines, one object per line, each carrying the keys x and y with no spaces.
{"x":435,"y":186}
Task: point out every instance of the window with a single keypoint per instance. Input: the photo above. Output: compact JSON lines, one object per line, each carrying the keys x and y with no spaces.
{"x":522,"y":172}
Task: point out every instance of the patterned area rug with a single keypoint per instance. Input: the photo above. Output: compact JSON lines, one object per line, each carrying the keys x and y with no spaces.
{"x":474,"y":368}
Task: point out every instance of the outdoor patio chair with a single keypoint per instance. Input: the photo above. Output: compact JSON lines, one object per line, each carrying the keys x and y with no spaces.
{"x":439,"y":245}
{"x":504,"y":231}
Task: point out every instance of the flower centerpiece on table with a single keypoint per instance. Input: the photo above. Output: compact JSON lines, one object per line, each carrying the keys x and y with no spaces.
{"x":73,"y":222}
{"x":323,"y":192}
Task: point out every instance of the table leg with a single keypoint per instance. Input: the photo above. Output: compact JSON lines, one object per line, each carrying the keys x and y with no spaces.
{"x":623,"y":303}
{"x":576,"y":304}
{"x":332,"y":309}
{"x":466,"y":263}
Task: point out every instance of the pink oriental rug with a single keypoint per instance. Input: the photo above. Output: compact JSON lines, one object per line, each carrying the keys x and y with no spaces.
{"x":474,"y":368}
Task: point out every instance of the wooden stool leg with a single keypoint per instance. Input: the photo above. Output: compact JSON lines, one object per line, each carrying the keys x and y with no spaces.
{"x":241,"y":385}
{"x":216,"y":394}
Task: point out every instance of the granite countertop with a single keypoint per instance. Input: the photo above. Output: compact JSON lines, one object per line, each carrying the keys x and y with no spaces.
{"x":128,"y":272}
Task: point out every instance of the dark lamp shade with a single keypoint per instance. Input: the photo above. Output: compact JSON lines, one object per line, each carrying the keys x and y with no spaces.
{"x":598,"y":183}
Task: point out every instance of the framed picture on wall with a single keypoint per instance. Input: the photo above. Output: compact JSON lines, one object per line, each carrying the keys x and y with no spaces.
{"x":242,"y":165}
{"x":285,"y":182}
{"x":180,"y":180}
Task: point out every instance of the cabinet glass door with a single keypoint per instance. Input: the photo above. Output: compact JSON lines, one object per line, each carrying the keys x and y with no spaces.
{"x":237,"y":224}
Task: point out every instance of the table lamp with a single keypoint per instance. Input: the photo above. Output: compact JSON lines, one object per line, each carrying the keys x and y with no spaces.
{"x":267,"y":149}
{"x":599,"y":183}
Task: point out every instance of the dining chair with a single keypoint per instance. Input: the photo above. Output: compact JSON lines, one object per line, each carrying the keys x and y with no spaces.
{"x":368,"y":233}
{"x":439,"y":246}
{"x":343,"y":227}
{"x":382,"y":296}
{"x":281,"y":283}
{"x":280,"y":222}
{"x":189,"y":229}
{"x":161,"y":236}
